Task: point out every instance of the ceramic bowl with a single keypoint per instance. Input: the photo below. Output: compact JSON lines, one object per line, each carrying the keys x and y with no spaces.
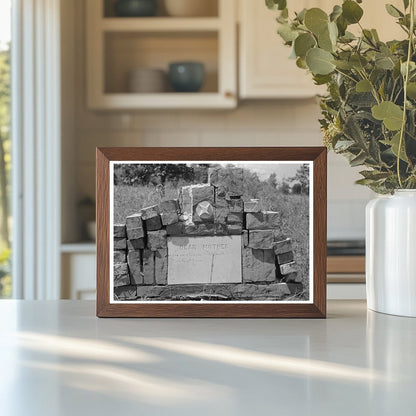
{"x":147,"y":80}
{"x":135,"y":8}
{"x":186,"y":76}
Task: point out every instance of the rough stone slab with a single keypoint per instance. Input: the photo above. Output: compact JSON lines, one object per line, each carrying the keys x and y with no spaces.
{"x":221,"y":214}
{"x":211,"y":259}
{"x":295,"y":288}
{"x":134,"y":221}
{"x":125,"y":293}
{"x":153,"y":224}
{"x":161,"y":267}
{"x":204,"y":229}
{"x":119,"y":256}
{"x":252,"y":206}
{"x":135,"y":233}
{"x":138,"y":244}
{"x":292,"y":277}
{"x":235,"y":205}
{"x":121,"y":274}
{"x":288,"y":268}
{"x":260,"y":239}
{"x":235,"y":218}
{"x":134,"y":260}
{"x":169,"y":211}
{"x":202,"y":192}
{"x":258,"y":265}
{"x":263,"y":220}
{"x":203,"y":212}
{"x":119,"y":231}
{"x":230,"y":178}
{"x":150,"y":212}
{"x":245,"y":238}
{"x":120,"y":244}
{"x":285,"y":257}
{"x":148,"y":267}
{"x":175,"y":229}
{"x":185,"y":200}
{"x":156,"y":240}
{"x":221,"y":197}
{"x":274,"y":291}
{"x":234,"y":229}
{"x":282,"y":246}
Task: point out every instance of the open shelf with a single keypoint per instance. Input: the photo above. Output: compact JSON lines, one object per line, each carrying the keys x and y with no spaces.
{"x":118,"y":45}
{"x":160,"y":24}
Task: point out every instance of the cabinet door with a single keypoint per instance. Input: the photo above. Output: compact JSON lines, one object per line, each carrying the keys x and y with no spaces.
{"x":265,"y":68}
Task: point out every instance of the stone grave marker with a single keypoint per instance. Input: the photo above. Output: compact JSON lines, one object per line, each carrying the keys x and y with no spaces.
{"x":210,"y":259}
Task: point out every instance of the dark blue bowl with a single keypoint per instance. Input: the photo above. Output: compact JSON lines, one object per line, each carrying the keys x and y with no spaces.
{"x":135,"y":8}
{"x":186,"y":76}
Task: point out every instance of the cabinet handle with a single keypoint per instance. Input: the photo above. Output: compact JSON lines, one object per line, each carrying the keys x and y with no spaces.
{"x":229,"y":94}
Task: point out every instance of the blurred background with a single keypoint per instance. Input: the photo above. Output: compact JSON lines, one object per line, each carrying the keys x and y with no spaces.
{"x":145,"y":73}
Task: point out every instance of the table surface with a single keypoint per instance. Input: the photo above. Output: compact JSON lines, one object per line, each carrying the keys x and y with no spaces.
{"x":57,"y":358}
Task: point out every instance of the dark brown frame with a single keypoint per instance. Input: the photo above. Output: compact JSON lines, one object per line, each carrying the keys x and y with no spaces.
{"x":317,"y":309}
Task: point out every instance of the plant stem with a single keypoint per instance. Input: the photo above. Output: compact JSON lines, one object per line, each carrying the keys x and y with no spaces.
{"x":406,"y":80}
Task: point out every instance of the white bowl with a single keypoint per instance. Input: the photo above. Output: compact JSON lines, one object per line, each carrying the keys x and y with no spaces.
{"x":191,"y":8}
{"x":147,"y":80}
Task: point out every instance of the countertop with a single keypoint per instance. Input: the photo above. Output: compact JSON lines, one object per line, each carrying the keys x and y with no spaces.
{"x":57,"y":358}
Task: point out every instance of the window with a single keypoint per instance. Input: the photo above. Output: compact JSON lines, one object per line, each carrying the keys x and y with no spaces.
{"x":5,"y":145}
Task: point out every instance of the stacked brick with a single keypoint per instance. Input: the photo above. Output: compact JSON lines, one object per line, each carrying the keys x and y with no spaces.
{"x":214,"y":208}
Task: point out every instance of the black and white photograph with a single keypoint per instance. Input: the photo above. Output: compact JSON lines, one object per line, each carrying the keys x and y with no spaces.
{"x":215,"y":231}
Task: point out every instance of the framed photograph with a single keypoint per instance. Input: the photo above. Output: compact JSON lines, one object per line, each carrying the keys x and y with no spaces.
{"x":211,"y":232}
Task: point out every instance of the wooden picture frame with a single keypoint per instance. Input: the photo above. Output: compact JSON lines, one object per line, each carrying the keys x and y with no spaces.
{"x":314,"y":307}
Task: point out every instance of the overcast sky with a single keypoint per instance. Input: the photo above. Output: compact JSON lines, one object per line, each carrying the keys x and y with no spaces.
{"x":282,"y":171}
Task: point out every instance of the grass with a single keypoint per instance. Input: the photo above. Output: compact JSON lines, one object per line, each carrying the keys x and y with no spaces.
{"x":294,"y":211}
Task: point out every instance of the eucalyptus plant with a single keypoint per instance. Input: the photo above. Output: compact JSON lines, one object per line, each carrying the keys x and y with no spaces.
{"x":369,"y":111}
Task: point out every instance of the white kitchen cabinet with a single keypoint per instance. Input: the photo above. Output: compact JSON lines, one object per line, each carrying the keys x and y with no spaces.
{"x":78,"y":271}
{"x":265,"y":70}
{"x":117,"y":45}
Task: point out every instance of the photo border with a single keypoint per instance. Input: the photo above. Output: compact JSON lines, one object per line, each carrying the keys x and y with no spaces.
{"x":313,"y":308}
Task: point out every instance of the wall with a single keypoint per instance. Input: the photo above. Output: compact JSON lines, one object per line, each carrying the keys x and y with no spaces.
{"x":253,"y":123}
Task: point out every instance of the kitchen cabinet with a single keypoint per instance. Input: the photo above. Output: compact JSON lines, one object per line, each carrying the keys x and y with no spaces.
{"x":265,"y":70}
{"x":118,"y":45}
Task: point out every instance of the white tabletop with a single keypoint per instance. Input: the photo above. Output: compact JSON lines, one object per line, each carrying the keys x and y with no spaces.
{"x":57,"y":358}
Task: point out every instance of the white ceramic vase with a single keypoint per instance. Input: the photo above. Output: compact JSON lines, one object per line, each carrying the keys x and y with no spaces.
{"x":391,"y":253}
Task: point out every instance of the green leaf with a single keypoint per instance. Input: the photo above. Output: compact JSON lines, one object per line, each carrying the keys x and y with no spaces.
{"x":363,"y":86}
{"x":316,"y":20}
{"x":287,"y":33}
{"x":325,"y":42}
{"x":406,"y":4}
{"x":388,"y":112}
{"x":321,"y":79}
{"x":393,"y":11}
{"x":319,"y":61}
{"x":394,"y":145}
{"x":351,"y":11}
{"x":384,"y":62}
{"x":303,"y":43}
{"x":336,"y":12}
{"x":358,"y":61}
{"x":411,"y":90}
{"x":358,"y":160}
{"x":276,"y":4}
{"x":344,"y":65}
{"x":301,"y":63}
